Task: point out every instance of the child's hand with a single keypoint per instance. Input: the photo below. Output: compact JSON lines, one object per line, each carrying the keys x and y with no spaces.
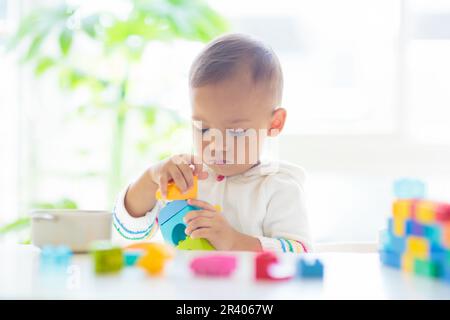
{"x":179,"y":169}
{"x":210,"y":225}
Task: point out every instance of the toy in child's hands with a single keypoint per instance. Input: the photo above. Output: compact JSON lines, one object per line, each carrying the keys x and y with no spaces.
{"x":174,"y":193}
{"x":171,"y":217}
{"x":214,"y":265}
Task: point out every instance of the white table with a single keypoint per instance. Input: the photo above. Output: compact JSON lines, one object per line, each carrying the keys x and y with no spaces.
{"x":347,"y":276}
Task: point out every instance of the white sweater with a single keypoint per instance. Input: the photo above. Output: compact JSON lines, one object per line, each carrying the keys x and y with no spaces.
{"x":267,"y":202}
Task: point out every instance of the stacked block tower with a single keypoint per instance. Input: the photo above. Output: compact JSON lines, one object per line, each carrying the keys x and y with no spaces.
{"x":418,"y":236}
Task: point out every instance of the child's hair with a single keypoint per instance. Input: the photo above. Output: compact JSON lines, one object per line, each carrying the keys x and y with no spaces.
{"x":224,"y":55}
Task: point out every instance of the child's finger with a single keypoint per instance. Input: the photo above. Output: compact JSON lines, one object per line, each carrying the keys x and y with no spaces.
{"x":178,"y":178}
{"x":201,"y":233}
{"x":198,"y":223}
{"x":202,"y":204}
{"x":198,"y":167}
{"x":163,"y":184}
{"x":195,"y":214}
{"x":187,"y":174}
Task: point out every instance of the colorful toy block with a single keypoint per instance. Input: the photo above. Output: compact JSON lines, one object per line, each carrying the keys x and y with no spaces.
{"x":264,"y":263}
{"x":427,"y":268}
{"x":174,"y":193}
{"x":309,"y":268}
{"x":418,"y":235}
{"x":173,"y":226}
{"x":108,"y":258}
{"x":390,"y":258}
{"x":131,"y":256}
{"x":409,"y":189}
{"x":194,"y":244}
{"x":214,"y":265}
{"x":155,"y":258}
{"x":418,"y":247}
{"x":55,"y":258}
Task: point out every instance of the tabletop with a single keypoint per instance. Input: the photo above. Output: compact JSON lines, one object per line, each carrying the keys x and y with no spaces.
{"x":346,"y":276}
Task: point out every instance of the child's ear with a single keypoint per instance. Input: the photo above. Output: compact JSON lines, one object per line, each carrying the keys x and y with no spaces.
{"x":277,"y":121}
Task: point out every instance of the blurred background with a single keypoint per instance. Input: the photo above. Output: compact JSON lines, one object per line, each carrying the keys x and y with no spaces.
{"x":91,"y":92}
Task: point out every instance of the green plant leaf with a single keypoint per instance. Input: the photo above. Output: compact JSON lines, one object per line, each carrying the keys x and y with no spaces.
{"x":43,"y":65}
{"x":65,"y":41}
{"x":19,"y":224}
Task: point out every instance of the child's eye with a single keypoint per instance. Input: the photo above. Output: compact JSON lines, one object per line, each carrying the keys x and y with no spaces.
{"x":204,"y":130}
{"x":236,"y":132}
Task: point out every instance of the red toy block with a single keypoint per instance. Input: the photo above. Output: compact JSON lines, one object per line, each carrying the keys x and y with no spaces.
{"x":263,"y":262}
{"x":443,"y":212}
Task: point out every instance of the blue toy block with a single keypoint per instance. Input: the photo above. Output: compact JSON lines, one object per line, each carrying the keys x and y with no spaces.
{"x":433,"y":233}
{"x":309,"y":269}
{"x":55,"y":258}
{"x":171,"y":221}
{"x":391,"y":259}
{"x":409,"y":189}
{"x":391,"y":242}
{"x":130,"y":257}
{"x":415,"y":228}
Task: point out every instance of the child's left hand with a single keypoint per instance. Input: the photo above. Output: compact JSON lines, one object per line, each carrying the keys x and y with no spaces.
{"x":209,"y":224}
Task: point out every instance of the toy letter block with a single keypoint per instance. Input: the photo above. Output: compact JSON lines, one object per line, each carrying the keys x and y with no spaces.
{"x":173,"y":226}
{"x":155,"y":258}
{"x":55,"y":258}
{"x":407,"y":263}
{"x":214,"y":265}
{"x":427,"y":268}
{"x":425,"y":212}
{"x":391,"y":259}
{"x":194,"y":244}
{"x":174,"y":193}
{"x":131,"y":256}
{"x":107,"y":257}
{"x":309,"y":269}
{"x":443,"y":212}
{"x":409,"y":189}
{"x":402,"y":209}
{"x":264,"y":263}
{"x":418,"y":247}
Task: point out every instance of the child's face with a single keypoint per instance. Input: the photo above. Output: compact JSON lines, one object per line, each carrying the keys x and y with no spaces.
{"x":231,"y":120}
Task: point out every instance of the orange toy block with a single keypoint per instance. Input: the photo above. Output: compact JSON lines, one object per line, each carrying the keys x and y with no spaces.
{"x":446,"y":235}
{"x":425,"y":212}
{"x":418,"y":247}
{"x":174,"y":193}
{"x":155,"y":258}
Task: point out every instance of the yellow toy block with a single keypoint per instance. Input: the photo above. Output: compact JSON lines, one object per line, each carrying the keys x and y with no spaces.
{"x":418,"y":247}
{"x":399,"y":226}
{"x":407,"y":263}
{"x":174,"y":193}
{"x":425,"y":212}
{"x":402,"y":209}
{"x":154,"y":260}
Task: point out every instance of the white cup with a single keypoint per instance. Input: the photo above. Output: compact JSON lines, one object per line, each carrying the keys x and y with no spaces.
{"x":73,"y":228}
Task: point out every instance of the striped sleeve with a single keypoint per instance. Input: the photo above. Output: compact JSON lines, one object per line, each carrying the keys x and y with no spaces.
{"x":283,"y":245}
{"x":132,"y":228}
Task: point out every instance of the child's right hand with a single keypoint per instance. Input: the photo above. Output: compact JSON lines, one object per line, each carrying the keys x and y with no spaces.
{"x":179,"y":169}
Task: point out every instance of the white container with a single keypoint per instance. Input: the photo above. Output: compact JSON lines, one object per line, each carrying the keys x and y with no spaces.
{"x":73,"y":228}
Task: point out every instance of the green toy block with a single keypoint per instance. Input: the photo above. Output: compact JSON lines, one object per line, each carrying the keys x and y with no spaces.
{"x":107,"y":257}
{"x":427,"y":268}
{"x":195,"y":244}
